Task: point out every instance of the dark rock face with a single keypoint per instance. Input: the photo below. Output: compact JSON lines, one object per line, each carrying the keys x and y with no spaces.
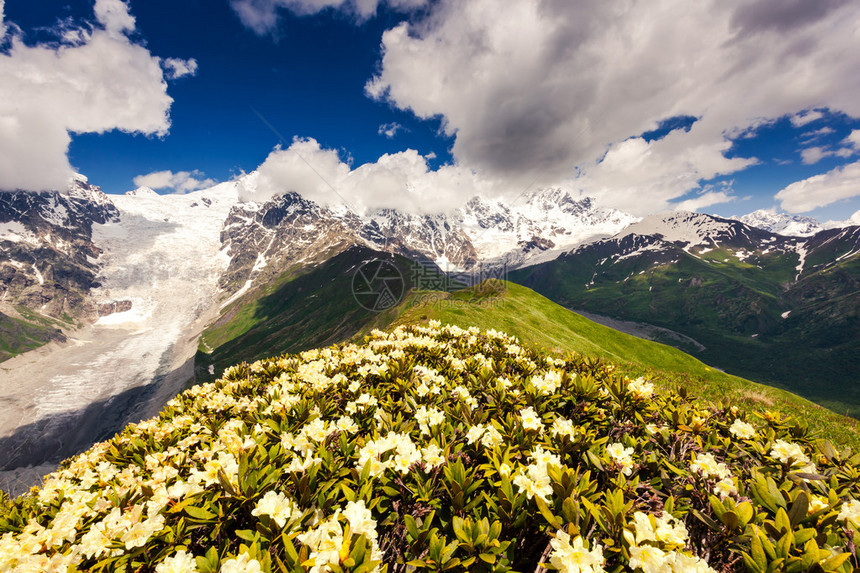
{"x":48,"y":260}
{"x":287,"y":230}
{"x":113,"y":307}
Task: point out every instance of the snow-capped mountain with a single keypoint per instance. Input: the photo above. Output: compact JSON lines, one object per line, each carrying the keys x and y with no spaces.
{"x":761,"y":305}
{"x":264,"y":239}
{"x":48,"y":258}
{"x":782,"y":223}
{"x":535,"y":228}
{"x":852,"y":221}
{"x":657,"y":239}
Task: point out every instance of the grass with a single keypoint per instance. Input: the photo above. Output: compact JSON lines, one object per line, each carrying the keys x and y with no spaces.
{"x":18,"y":336}
{"x":297,"y":311}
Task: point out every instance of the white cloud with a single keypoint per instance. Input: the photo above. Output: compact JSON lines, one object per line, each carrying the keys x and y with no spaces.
{"x":643,"y":177}
{"x":262,"y":15}
{"x":810,"y":136}
{"x":176,"y":68}
{"x":400,"y":180}
{"x":180,"y":182}
{"x":837,"y":184}
{"x":390,"y":130}
{"x":804,"y":117}
{"x":540,"y":88}
{"x":853,"y":140}
{"x":703,"y":200}
{"x":812,"y":155}
{"x":2,"y":24}
{"x":100,"y":82}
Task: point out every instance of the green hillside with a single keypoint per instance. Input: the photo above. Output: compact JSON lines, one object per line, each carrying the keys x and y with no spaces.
{"x":305,"y":308}
{"x":18,"y":336}
{"x":754,"y":320}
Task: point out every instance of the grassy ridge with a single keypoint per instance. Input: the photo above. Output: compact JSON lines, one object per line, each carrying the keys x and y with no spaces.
{"x":537,"y":320}
{"x":301,"y":309}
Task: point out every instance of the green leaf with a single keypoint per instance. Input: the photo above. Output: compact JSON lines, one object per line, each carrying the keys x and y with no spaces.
{"x":200,"y":513}
{"x":411,"y":526}
{"x":546,"y":513}
{"x":758,"y":554}
{"x":798,"y":509}
{"x":745,"y":513}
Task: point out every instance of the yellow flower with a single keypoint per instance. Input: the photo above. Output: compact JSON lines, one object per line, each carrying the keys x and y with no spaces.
{"x":277,"y":506}
{"x":742,"y":430}
{"x":573,"y":557}
{"x":180,"y":562}
{"x":621,"y":456}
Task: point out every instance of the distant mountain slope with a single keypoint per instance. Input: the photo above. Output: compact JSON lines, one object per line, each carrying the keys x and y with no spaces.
{"x":781,"y":223}
{"x":307,"y":307}
{"x":48,"y":262}
{"x":780,"y":310}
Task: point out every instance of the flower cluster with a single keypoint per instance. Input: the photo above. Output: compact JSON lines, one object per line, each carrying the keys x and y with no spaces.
{"x":440,"y":448}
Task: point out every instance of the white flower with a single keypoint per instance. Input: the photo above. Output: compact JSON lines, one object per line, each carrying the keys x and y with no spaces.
{"x":360,"y":519}
{"x":492,"y":438}
{"x":742,"y":430}
{"x":850,"y":514}
{"x":428,"y":417}
{"x":687,"y":564}
{"x":788,"y":451}
{"x":621,"y":456}
{"x":530,"y":420}
{"x":707,"y":465}
{"x":432,"y":456}
{"x":241,"y":564}
{"x":665,"y":529}
{"x":562,"y":427}
{"x":641,"y":389}
{"x":546,"y":384}
{"x":725,"y":487}
{"x":475,"y":432}
{"x":346,"y":424}
{"x":651,"y":559}
{"x":573,"y":557}
{"x":181,"y":562}
{"x":817,"y":503}
{"x":277,"y":506}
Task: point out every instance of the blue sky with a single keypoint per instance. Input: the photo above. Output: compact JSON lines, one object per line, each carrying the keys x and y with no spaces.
{"x":502,"y":100}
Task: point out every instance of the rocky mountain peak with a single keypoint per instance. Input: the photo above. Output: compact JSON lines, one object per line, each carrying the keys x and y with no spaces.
{"x":781,"y":223}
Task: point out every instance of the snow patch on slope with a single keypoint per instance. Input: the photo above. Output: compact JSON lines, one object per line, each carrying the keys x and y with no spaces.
{"x":781,"y":223}
{"x":163,"y":256}
{"x":680,"y":227}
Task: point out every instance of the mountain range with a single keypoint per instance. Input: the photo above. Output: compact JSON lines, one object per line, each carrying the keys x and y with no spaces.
{"x":122,"y":300}
{"x":776,"y":309}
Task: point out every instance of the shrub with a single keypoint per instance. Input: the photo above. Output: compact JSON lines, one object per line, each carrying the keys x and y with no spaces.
{"x":440,"y":448}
